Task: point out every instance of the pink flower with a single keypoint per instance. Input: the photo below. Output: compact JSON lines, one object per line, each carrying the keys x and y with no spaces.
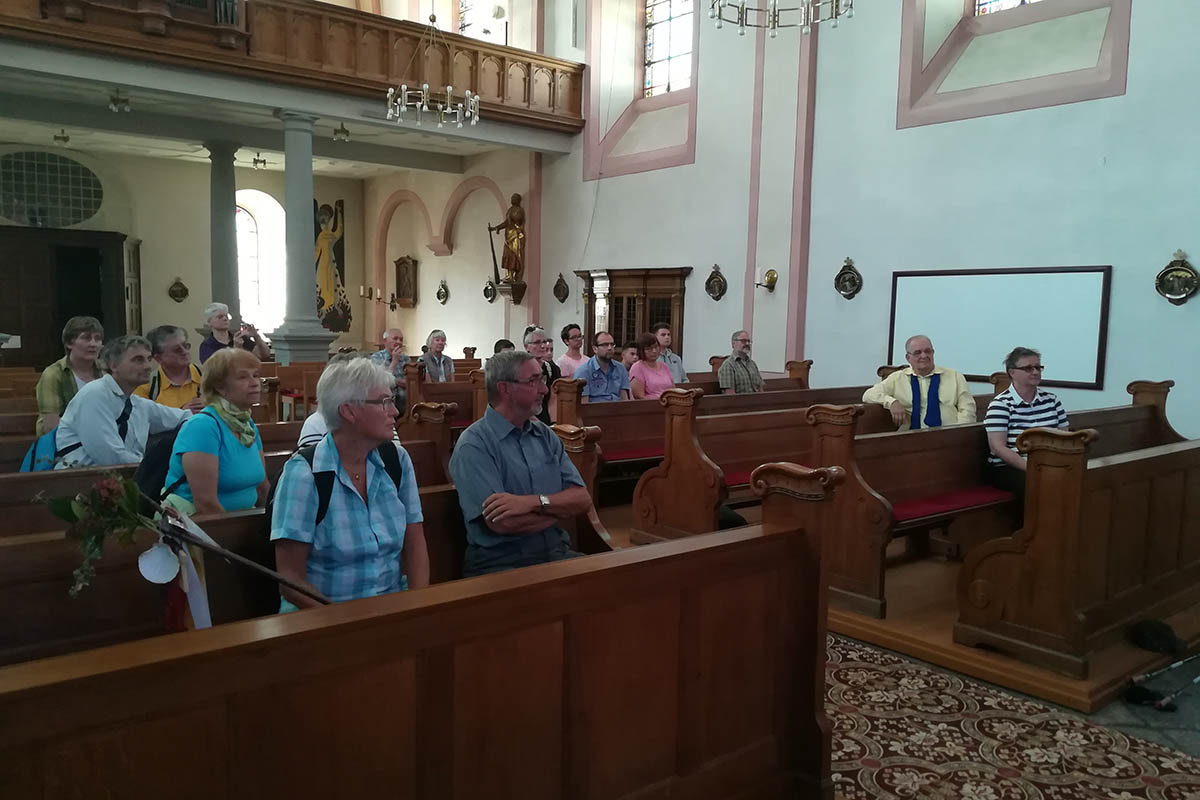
{"x":109,"y":491}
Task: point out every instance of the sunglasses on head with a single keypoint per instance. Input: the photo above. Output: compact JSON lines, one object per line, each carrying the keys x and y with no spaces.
{"x":1032,"y":368}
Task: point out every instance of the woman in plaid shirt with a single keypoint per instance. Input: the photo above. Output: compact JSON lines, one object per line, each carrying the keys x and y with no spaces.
{"x":371,"y":540}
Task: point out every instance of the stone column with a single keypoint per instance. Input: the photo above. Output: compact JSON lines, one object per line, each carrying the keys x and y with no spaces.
{"x":223,"y":225}
{"x":301,"y":337}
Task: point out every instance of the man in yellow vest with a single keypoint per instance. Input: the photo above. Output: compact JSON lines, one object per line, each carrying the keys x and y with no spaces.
{"x":176,"y":381}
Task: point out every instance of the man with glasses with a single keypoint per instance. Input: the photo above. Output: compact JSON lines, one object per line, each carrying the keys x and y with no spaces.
{"x":514,"y":479}
{"x":923,"y":395}
{"x":1021,"y":407}
{"x":176,"y":382}
{"x":739,"y":374}
{"x":603,"y":378}
{"x":541,"y":347}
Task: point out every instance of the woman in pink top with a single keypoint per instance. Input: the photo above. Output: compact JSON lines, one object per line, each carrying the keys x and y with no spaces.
{"x":572,"y":360}
{"x":649,"y":377}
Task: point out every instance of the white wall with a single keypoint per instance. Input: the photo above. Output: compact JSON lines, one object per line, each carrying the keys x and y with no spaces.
{"x":1103,"y":182}
{"x":170,"y":214}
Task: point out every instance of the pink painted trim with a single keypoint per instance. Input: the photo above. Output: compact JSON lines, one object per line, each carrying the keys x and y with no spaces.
{"x":414,"y":10}
{"x":802,"y":199}
{"x":533,"y":242}
{"x":455,"y":15}
{"x":756,"y":121}
{"x":919,"y":103}
{"x":537,"y":11}
{"x":443,"y":244}
{"x":598,"y":161}
{"x":382,"y":225}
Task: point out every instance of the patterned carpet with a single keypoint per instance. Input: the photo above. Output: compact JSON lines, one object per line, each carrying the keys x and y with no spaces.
{"x":905,"y":730}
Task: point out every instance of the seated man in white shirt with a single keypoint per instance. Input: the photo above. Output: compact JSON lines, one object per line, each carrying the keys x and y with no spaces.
{"x":105,"y":423}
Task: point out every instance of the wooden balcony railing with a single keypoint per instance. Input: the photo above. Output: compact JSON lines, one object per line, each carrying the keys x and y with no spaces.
{"x":309,"y":43}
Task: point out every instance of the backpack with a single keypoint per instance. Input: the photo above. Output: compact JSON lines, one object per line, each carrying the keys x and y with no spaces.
{"x":151,"y":473}
{"x":42,"y":453}
{"x":324,"y":479}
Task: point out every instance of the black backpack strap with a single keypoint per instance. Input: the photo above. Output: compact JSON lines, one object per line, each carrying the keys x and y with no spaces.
{"x":323,"y":480}
{"x":391,"y":462}
{"x":155,"y":386}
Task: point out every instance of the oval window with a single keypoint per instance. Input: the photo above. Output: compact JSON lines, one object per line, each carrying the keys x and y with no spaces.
{"x":46,"y":190}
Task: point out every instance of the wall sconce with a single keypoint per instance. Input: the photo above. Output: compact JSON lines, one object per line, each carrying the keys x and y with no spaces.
{"x":769,"y":280}
{"x":61,"y":138}
{"x":259,"y":162}
{"x":341,"y":133}
{"x":118,"y":102}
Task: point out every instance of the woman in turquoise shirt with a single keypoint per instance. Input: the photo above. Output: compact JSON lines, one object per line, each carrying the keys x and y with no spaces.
{"x":217,"y":463}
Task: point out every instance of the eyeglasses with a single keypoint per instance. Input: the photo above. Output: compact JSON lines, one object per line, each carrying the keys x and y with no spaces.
{"x":744,"y":341}
{"x":527,"y":382}
{"x":605,"y":344}
{"x":927,"y":352}
{"x":380,"y":401}
{"x":575,"y":336}
{"x":1032,"y":368}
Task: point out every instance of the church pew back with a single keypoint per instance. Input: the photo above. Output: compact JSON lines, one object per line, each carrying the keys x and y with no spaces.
{"x":522,"y":661}
{"x":17,"y":405}
{"x":1106,"y":541}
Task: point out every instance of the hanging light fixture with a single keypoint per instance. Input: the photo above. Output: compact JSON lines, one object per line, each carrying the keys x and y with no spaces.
{"x":441,"y":106}
{"x":259,"y":162}
{"x":61,"y":138}
{"x":341,"y":133}
{"x":804,"y":16}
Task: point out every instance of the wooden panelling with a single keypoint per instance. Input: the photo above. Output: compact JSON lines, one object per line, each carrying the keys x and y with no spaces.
{"x":533,"y":683}
{"x":319,"y":45}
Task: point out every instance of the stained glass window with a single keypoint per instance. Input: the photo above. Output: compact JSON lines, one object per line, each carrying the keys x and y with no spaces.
{"x":668,"y":45}
{"x":992,"y":6}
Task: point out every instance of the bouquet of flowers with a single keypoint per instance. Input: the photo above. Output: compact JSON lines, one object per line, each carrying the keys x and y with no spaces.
{"x":110,"y":508}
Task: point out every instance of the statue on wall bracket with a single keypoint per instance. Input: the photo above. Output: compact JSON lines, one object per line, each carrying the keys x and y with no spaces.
{"x":849,"y":281}
{"x":1178,"y":280}
{"x":512,"y":285}
{"x":406,"y":281}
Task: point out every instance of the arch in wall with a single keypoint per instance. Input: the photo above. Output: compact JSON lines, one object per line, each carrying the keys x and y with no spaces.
{"x":394,"y":201}
{"x":445,"y":244}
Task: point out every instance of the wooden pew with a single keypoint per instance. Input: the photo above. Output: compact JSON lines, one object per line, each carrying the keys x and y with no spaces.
{"x":588,"y":534}
{"x":18,"y":423}
{"x":1109,"y":538}
{"x":707,"y":455}
{"x":17,"y":405}
{"x":499,"y":686}
{"x":465,"y":394}
{"x":634,"y":428}
{"x":912,"y":482}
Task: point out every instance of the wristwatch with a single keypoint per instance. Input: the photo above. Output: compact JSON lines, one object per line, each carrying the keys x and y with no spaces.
{"x":545,"y":503}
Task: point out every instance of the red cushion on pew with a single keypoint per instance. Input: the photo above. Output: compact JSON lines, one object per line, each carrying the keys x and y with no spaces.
{"x":460,"y":423}
{"x":737,"y":478}
{"x":950,"y":501}
{"x":630,"y":455}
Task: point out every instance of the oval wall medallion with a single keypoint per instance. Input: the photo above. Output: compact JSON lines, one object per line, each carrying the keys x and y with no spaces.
{"x":716,"y":286}
{"x":443,"y":293}
{"x":1178,"y":281}
{"x":561,"y":290}
{"x":489,"y":291}
{"x":178,"y":291}
{"x":849,"y":281}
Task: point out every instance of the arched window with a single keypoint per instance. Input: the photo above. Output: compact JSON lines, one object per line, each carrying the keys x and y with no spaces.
{"x":262,"y":259}
{"x":668,"y":46}
{"x":992,"y":6}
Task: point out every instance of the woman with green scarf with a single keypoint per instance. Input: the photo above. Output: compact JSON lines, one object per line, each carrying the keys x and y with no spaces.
{"x":217,"y":463}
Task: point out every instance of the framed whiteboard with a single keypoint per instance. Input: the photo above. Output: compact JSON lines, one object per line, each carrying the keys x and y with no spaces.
{"x":975,"y":317}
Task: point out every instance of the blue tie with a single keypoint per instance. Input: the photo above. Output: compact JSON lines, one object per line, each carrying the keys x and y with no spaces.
{"x":123,"y":420}
{"x":933,"y":415}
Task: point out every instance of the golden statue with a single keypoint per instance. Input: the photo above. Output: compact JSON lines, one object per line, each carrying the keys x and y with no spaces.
{"x":513,"y":226}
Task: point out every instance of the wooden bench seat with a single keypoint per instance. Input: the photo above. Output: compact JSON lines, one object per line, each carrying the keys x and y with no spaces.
{"x":498,"y":686}
{"x":469,"y":394}
{"x":912,"y":482}
{"x":37,"y":561}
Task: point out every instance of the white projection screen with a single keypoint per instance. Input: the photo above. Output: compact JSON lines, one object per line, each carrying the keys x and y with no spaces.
{"x":976,"y":316}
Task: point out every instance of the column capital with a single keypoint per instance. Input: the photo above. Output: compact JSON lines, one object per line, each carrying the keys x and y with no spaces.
{"x":296,"y":120}
{"x":221,"y":149}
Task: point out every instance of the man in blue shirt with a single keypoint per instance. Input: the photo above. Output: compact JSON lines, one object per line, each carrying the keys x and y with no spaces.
{"x":603,"y":379}
{"x":514,"y":479}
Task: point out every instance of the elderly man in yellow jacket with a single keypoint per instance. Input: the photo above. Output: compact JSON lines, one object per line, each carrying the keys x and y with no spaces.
{"x":907,"y":392}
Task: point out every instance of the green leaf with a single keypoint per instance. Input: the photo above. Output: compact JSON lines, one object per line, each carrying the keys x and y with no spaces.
{"x":63,"y":508}
{"x":78,"y":510}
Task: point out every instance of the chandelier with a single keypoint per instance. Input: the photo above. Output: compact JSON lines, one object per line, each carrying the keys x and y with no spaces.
{"x":773,"y":17}
{"x":442,"y":106}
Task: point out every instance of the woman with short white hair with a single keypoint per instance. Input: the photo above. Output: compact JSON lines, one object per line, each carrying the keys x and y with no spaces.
{"x":439,"y":367}
{"x":216,"y":318}
{"x":347,"y":517}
